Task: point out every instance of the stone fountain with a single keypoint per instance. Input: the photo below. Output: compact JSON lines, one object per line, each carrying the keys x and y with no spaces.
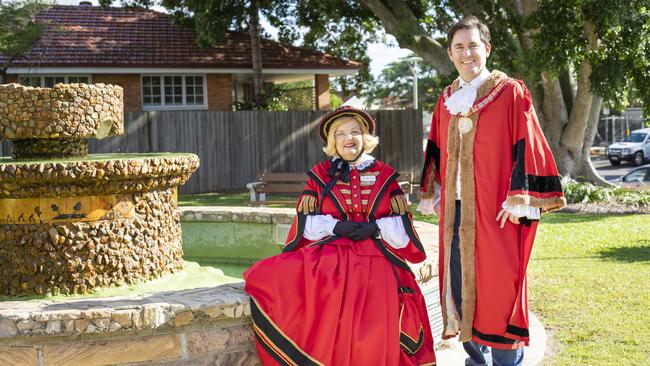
{"x":72,"y":222}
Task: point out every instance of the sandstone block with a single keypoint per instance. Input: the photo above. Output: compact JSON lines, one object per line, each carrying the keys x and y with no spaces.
{"x":183,"y":318}
{"x":18,"y":356}
{"x":207,"y":340}
{"x":124,"y":317}
{"x":8,"y":328}
{"x":95,"y":353}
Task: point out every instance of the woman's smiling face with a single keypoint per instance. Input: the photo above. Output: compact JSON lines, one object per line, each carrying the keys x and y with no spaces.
{"x":349,"y":138}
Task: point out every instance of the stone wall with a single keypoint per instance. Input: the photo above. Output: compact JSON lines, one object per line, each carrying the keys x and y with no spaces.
{"x":197,"y":327}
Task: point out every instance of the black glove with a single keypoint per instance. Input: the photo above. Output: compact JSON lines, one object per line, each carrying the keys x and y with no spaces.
{"x":344,"y":228}
{"x":364,"y":231}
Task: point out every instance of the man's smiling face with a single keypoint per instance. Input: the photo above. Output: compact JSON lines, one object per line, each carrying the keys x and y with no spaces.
{"x":468,"y":53}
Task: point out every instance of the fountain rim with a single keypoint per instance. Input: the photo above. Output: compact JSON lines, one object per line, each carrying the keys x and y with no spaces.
{"x":98,"y":158}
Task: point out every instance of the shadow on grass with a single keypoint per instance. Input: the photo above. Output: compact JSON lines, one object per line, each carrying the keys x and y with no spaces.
{"x":639,"y":253}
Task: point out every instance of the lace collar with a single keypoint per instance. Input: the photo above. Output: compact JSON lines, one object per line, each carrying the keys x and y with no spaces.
{"x":365,"y":161}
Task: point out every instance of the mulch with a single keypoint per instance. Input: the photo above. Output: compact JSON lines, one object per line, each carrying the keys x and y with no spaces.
{"x":605,"y":209}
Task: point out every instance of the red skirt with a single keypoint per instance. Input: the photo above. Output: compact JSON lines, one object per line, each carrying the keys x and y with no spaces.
{"x":327,"y":305}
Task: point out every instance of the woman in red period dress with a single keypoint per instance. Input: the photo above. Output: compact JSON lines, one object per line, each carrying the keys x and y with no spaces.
{"x":341,"y":293}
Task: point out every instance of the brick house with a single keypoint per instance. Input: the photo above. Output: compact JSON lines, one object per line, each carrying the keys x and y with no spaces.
{"x":158,"y":62}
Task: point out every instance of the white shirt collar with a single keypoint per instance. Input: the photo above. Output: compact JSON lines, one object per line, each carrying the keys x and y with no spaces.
{"x":462,"y":99}
{"x":477,"y":81}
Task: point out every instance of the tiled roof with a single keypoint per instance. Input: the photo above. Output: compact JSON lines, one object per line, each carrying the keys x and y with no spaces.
{"x":89,"y":36}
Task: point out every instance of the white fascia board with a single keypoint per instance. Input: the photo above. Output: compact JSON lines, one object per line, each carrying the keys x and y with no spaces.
{"x":167,"y":70}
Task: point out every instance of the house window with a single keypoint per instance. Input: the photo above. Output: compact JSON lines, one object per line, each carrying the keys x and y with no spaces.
{"x":30,"y":80}
{"x":48,"y":81}
{"x":194,"y":90}
{"x":173,"y":91}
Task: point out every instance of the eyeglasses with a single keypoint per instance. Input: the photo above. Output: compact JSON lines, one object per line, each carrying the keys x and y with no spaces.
{"x":341,"y":135}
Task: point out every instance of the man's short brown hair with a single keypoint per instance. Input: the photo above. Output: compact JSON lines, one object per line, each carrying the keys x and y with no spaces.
{"x":469,"y":22}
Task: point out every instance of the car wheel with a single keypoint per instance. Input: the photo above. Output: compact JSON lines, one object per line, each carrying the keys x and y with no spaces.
{"x":615,"y":162}
{"x":638,"y":158}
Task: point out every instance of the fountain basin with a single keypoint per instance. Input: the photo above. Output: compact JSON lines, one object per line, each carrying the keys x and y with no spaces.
{"x":73,"y":225}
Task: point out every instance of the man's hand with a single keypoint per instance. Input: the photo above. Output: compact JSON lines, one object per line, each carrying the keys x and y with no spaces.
{"x":364,"y":231}
{"x":344,"y":228}
{"x":504,"y":215}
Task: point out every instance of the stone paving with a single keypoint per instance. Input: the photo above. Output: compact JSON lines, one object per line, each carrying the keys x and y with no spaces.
{"x":140,"y":314}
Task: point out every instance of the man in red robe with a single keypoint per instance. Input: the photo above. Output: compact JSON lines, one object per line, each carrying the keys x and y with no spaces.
{"x":489,"y":173}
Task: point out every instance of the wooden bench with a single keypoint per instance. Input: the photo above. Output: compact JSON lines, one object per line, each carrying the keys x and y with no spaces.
{"x":294,"y":183}
{"x":276,"y":183}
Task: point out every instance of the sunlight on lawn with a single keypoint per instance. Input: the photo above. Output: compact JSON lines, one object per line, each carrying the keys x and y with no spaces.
{"x":589,"y":282}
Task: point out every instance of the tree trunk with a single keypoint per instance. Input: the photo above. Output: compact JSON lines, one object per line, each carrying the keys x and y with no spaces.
{"x":398,"y":20}
{"x":585,"y":169}
{"x":256,"y":53}
{"x":3,"y":75}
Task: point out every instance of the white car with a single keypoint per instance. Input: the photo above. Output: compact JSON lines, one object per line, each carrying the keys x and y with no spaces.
{"x":637,"y":178}
{"x":634,"y":148}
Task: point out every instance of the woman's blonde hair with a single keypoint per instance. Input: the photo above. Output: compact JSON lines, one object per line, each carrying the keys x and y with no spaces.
{"x":370,"y":142}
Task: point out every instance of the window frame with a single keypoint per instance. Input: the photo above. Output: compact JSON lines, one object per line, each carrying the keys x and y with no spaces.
{"x":174,"y":107}
{"x":66,"y":78}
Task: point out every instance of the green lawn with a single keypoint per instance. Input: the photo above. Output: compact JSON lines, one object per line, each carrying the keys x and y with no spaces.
{"x":230,"y":199}
{"x":589,"y":282}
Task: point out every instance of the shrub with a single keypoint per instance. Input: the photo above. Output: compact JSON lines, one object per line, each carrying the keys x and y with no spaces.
{"x":578,"y":192}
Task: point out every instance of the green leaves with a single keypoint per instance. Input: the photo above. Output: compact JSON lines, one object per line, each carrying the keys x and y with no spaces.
{"x":18,"y":29}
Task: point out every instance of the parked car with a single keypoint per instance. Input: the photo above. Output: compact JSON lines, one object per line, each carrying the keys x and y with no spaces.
{"x":637,"y":178}
{"x":634,"y":148}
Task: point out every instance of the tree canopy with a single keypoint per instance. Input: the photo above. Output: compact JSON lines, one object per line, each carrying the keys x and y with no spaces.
{"x":572,"y":54}
{"x":18,"y":31}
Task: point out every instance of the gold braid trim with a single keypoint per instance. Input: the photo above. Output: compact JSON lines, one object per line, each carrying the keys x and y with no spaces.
{"x":398,"y":204}
{"x":308,"y":204}
{"x":546,"y":204}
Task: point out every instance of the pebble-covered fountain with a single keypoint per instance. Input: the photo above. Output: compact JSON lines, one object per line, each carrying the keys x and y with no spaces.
{"x":71,"y":222}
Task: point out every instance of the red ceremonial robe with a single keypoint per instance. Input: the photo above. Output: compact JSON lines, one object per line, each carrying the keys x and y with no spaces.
{"x":504,"y":157}
{"x":336,"y":301}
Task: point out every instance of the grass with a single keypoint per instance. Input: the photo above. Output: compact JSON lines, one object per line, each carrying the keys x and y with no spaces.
{"x":231,"y":199}
{"x":589,"y":282}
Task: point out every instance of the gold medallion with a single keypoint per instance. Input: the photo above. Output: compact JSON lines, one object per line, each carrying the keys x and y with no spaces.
{"x":464,"y":124}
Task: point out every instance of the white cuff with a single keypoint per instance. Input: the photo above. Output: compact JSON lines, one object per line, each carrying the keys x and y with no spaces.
{"x":392,"y":231}
{"x":429,"y":206}
{"x":532,"y":213}
{"x":318,"y":227}
{"x":426,"y":206}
